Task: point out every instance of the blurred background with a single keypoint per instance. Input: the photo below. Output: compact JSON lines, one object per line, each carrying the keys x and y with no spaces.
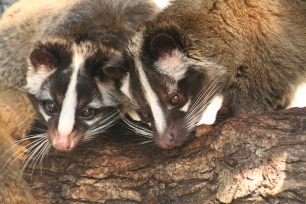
{"x":4,"y":4}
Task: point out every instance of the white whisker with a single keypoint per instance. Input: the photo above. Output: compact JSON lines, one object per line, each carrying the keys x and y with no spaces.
{"x":199,"y":99}
{"x":42,"y":150}
{"x":45,"y":153}
{"x":137,"y":128}
{"x":101,"y":126}
{"x":20,"y":89}
{"x":205,"y":91}
{"x":106,"y":118}
{"x":203,"y":99}
{"x":145,"y":142}
{"x":33,"y":150}
{"x":18,"y":152}
{"x":31,"y":137}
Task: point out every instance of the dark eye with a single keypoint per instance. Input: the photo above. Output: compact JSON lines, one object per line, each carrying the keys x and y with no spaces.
{"x":175,"y":100}
{"x":87,"y":113}
{"x":146,"y":115}
{"x":50,"y":108}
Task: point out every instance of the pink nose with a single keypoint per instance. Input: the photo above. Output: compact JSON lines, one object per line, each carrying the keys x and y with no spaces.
{"x":64,"y":144}
{"x":167,"y":141}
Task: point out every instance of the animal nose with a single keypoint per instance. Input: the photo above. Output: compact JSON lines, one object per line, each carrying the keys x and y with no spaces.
{"x":167,"y":141}
{"x":64,"y":144}
{"x":169,"y":138}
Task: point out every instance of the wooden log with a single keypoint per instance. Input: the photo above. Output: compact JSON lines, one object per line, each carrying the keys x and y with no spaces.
{"x":256,"y":158}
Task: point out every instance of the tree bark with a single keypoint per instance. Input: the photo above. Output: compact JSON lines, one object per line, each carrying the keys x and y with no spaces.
{"x":256,"y":158}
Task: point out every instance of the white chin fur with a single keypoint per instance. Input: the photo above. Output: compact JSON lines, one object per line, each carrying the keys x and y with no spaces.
{"x":299,"y":98}
{"x":210,"y":113}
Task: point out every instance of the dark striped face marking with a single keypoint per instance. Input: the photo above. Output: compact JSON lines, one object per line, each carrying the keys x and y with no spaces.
{"x":167,"y":89}
{"x":67,"y":93}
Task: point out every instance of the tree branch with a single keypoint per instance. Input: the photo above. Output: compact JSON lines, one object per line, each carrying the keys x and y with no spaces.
{"x":256,"y":158}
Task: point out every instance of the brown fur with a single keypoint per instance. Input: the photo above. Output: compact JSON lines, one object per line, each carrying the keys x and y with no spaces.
{"x":261,"y":43}
{"x":257,"y":50}
{"x":13,"y":188}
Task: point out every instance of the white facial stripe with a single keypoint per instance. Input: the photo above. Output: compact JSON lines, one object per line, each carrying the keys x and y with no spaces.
{"x":67,"y":115}
{"x":96,"y":103}
{"x":133,"y":115}
{"x":210,"y":113}
{"x":125,"y":89}
{"x":35,"y":80}
{"x":45,"y":95}
{"x":91,"y":122}
{"x":185,"y":107}
{"x":173,"y":66}
{"x":109,"y":95}
{"x":43,"y":113}
{"x":172,"y":87}
{"x":151,"y":97}
{"x":170,"y":62}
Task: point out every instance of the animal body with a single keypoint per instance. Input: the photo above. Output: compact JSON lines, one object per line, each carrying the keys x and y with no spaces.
{"x":67,"y":43}
{"x":51,"y":59}
{"x":13,"y":188}
{"x":200,"y":59}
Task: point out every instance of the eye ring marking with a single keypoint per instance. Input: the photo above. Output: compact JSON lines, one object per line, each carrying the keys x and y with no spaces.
{"x":87,"y":113}
{"x":50,"y":108}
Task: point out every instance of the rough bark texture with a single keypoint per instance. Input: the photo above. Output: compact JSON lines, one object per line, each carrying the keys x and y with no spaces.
{"x":257,"y":158}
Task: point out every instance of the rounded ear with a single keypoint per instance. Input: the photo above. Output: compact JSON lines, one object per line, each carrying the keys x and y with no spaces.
{"x":115,"y":71}
{"x":116,"y":67}
{"x":162,"y":45}
{"x":42,"y":60}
